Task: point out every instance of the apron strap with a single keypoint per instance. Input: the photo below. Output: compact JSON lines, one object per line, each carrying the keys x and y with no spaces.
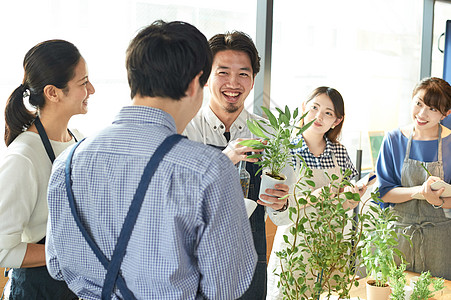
{"x":113,"y":267}
{"x":45,"y":139}
{"x":409,"y":144}
{"x":132,"y":215}
{"x":48,"y":148}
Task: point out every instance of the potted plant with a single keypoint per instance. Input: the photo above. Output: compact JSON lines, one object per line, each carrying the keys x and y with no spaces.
{"x":379,"y":251}
{"x":397,"y":279}
{"x":275,"y":134}
{"x":421,"y":289}
{"x":319,"y":249}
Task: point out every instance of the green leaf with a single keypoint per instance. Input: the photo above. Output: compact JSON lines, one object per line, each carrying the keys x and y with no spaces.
{"x":349,"y":195}
{"x":310,"y":183}
{"x":257,"y":155}
{"x":272,"y":119}
{"x":287,"y":112}
{"x":251,"y":143}
{"x":255,"y":128}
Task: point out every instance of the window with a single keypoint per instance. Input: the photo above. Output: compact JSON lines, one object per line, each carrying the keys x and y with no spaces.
{"x":442,"y":13}
{"x":102,"y":30}
{"x":368,"y":50}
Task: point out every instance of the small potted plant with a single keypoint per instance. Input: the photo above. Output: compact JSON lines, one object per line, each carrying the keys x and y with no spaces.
{"x":275,"y":134}
{"x":421,"y":289}
{"x":379,"y":251}
{"x":399,"y":289}
{"x":322,"y":242}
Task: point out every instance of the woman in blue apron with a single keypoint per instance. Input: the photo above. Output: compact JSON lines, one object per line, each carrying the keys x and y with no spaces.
{"x":56,"y":84}
{"x":411,"y":158}
{"x":322,"y":153}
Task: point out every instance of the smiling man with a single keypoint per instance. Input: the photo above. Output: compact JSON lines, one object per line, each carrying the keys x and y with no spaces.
{"x":222,"y":124}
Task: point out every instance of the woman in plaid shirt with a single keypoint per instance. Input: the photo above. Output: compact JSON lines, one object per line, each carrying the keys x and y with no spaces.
{"x":322,"y":153}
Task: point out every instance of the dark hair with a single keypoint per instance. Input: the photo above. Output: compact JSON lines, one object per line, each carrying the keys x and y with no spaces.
{"x":48,"y":63}
{"x":437,"y":93}
{"x":164,"y":58}
{"x":339,"y":109}
{"x":238,"y":41}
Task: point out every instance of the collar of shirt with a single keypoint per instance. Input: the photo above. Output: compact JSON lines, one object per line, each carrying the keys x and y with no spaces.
{"x":145,"y":115}
{"x":304,"y":149}
{"x":216,"y":125}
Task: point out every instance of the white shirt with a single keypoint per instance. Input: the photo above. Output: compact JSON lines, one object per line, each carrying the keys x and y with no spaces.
{"x":206,"y":128}
{"x":24,"y":175}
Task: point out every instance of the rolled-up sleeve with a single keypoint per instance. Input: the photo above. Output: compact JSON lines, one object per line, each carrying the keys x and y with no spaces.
{"x":388,"y":167}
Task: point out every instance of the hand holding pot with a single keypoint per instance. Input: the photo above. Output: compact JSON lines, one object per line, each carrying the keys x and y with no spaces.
{"x":273,"y":196}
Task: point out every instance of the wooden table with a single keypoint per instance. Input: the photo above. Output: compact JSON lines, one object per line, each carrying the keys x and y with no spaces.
{"x":360,"y":291}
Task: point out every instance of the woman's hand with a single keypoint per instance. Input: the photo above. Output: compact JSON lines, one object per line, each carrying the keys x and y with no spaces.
{"x":237,"y":152}
{"x":279,"y":191}
{"x":351,"y":203}
{"x":431,"y":196}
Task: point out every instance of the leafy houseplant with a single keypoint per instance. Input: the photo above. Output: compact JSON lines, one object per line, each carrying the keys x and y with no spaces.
{"x":398,"y":282}
{"x":421,"y":289}
{"x":275,"y":134}
{"x":316,"y":258}
{"x":379,"y":250}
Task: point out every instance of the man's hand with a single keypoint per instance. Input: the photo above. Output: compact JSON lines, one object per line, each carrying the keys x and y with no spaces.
{"x":279,"y":191}
{"x":237,"y":152}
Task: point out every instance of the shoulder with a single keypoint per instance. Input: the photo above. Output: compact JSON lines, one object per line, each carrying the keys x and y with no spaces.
{"x":27,"y":145}
{"x":252,"y":116}
{"x":197,"y":157}
{"x":78,"y":135}
{"x":194,"y":128}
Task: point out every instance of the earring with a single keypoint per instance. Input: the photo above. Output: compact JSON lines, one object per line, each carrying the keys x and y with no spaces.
{"x":332,"y":127}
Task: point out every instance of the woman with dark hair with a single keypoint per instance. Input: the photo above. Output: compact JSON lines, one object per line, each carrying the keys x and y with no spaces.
{"x":56,"y":84}
{"x":402,"y":179}
{"x":322,"y":153}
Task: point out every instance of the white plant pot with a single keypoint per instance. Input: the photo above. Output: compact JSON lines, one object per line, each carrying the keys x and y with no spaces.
{"x":268,"y":183}
{"x":408,"y":290}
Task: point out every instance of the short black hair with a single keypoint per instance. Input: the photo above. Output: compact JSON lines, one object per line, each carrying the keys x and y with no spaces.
{"x":238,"y":41}
{"x":164,"y":58}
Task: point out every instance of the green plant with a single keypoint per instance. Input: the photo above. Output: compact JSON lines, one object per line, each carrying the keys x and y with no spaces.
{"x":421,"y":289}
{"x":398,"y":282}
{"x":276,"y":134}
{"x":318,"y":252}
{"x":379,"y":244}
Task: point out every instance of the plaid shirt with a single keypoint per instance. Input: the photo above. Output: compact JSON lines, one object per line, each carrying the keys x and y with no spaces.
{"x":192,"y":238}
{"x":325,"y":161}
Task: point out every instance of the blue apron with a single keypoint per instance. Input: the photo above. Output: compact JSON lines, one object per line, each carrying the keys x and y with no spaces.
{"x":36,"y":283}
{"x":113,"y":278}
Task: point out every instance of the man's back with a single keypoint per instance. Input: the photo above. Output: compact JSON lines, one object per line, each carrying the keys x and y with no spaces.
{"x":192,"y":235}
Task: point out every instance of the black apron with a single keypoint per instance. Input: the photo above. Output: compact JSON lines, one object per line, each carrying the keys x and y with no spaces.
{"x":36,"y":283}
{"x":258,"y":286}
{"x":113,"y":278}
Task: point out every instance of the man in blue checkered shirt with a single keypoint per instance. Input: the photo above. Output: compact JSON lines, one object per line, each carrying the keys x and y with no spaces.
{"x":192,"y":238}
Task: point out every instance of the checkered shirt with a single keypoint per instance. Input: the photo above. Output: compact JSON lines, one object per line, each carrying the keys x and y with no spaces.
{"x":192,"y":238}
{"x":325,"y":161}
